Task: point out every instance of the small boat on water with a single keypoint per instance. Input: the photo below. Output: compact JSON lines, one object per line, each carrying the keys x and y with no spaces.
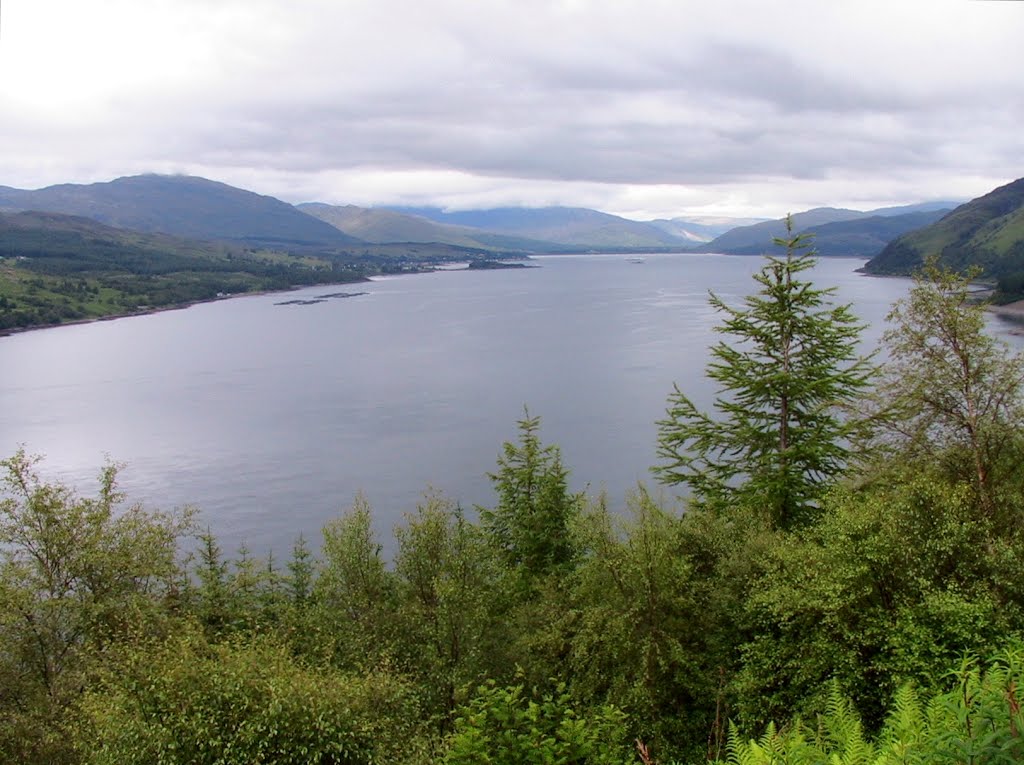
{"x":635,"y":260}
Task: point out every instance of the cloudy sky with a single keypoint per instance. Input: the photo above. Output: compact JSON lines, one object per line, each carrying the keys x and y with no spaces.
{"x":641,"y":108}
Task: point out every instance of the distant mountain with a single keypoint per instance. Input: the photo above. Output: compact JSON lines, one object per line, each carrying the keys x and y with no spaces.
{"x":382,"y":226}
{"x":864,"y":237}
{"x":837,"y":231}
{"x":987,"y":232}
{"x":185,"y":206}
{"x":702,"y":230}
{"x":756,"y":239}
{"x":566,"y":227}
{"x":944,"y":205}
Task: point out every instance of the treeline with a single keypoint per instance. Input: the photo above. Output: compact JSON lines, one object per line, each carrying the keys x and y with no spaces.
{"x":842,"y":584}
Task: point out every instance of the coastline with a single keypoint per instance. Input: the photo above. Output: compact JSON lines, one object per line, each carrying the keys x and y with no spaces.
{"x":173,"y":307}
{"x":1013,"y":312}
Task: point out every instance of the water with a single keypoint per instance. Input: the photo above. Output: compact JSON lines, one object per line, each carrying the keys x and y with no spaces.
{"x":271,"y":418}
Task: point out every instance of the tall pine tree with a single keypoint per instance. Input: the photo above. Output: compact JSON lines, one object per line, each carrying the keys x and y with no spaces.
{"x":787,"y":375}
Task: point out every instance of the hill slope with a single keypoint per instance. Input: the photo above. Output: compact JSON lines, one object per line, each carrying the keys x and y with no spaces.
{"x":837,"y":231}
{"x":56,"y":268}
{"x":987,"y":232}
{"x":184,"y":206}
{"x":381,"y":226}
{"x":566,"y":227}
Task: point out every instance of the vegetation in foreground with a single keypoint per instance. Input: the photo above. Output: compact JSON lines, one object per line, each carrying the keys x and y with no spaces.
{"x":844,"y":585}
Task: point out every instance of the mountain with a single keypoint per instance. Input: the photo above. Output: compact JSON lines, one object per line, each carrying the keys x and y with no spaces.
{"x":943,"y":205}
{"x":863,"y":237}
{"x":837,"y":231}
{"x":382,"y":225}
{"x":757,"y":239}
{"x":704,"y":229}
{"x":564,"y":227}
{"x":987,"y":232}
{"x":184,"y":206}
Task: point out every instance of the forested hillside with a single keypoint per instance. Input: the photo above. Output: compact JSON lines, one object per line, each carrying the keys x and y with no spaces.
{"x":832,"y":576}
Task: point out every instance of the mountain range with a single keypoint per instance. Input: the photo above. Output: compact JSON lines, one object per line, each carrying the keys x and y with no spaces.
{"x":198,"y":208}
{"x":82,"y":250}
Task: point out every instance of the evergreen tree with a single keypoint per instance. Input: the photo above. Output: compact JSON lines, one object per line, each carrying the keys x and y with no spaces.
{"x":530,"y":523}
{"x":786,"y":374}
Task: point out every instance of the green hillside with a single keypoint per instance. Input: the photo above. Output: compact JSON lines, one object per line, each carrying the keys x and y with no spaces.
{"x":57,"y":268}
{"x":987,"y":232}
{"x":837,"y":231}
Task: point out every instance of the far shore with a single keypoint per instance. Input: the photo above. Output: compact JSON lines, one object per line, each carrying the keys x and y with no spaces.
{"x":1011,"y":312}
{"x":173,"y":307}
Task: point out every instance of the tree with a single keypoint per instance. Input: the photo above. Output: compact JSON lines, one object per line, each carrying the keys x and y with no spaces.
{"x":781,"y":430}
{"x":354,"y":592}
{"x":642,"y":625}
{"x":530,"y":523}
{"x":451,"y":597}
{"x":951,"y":390}
{"x":77,"y":575}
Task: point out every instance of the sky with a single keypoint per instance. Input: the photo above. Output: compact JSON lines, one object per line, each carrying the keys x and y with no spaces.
{"x":640,"y":108}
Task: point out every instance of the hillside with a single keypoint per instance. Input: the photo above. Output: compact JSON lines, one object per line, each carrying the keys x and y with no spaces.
{"x":987,"y":232}
{"x":384,"y":226}
{"x":837,"y":231}
{"x":702,"y":230}
{"x":184,"y":206}
{"x":564,"y":227}
{"x":56,"y":268}
{"x":757,"y":239}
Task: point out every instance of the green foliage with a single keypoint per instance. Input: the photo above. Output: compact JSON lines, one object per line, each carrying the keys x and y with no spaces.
{"x":950,"y":390}
{"x":503,"y":726}
{"x":530,"y":524}
{"x":452,"y":596}
{"x":354,"y":592}
{"x":787,"y":377}
{"x":978,"y":720}
{"x":639,"y":641}
{"x":76,"y":574}
{"x":894,"y":583}
{"x":191,"y":702}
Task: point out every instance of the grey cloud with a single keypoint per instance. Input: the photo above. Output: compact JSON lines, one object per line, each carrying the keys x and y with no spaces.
{"x":589,"y":93}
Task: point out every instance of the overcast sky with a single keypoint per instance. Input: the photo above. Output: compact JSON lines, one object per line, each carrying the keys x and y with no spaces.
{"x":641,"y":108}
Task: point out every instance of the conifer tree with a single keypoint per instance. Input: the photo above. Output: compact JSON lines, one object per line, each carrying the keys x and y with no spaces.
{"x":787,"y":374}
{"x":530,"y":522}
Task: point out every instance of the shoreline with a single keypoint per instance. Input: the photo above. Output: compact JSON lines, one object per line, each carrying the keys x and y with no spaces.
{"x":173,"y":307}
{"x":1011,"y":312}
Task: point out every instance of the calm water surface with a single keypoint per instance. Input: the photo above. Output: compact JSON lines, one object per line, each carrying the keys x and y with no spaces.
{"x":270,"y":418}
